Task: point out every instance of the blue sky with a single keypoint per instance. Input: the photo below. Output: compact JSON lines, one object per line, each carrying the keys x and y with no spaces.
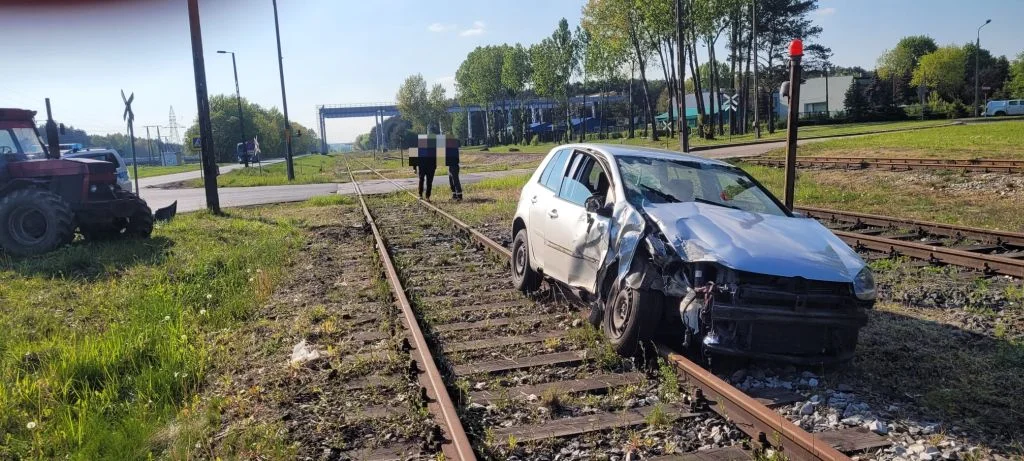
{"x":349,"y":51}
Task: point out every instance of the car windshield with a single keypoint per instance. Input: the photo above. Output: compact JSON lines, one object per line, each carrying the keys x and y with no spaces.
{"x":21,"y":141}
{"x":653,"y":180}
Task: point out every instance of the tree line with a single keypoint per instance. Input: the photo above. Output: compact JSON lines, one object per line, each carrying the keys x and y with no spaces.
{"x":265,"y":124}
{"x":630,"y":47}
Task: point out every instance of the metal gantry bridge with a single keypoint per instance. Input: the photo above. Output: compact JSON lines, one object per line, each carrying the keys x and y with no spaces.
{"x":380,"y":111}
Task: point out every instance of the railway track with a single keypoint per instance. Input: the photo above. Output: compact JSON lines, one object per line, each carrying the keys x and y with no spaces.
{"x":992,"y":252}
{"x":898,"y":164}
{"x":529,"y":378}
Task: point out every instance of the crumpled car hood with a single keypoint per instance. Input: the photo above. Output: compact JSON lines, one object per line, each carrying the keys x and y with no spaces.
{"x":755,"y":242}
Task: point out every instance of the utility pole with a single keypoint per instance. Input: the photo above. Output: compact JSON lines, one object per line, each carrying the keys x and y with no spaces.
{"x":757,"y":89}
{"x":238,"y":98}
{"x":977,"y":57}
{"x":149,"y":141}
{"x":684,"y":139}
{"x":203,"y":104}
{"x":796,"y":52}
{"x":284,"y":100}
{"x":160,"y":150}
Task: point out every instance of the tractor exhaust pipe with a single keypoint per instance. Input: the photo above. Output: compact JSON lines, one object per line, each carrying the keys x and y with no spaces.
{"x":52,"y":138}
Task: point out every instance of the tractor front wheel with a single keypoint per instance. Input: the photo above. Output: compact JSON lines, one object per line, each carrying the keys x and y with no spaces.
{"x":140,"y":223}
{"x":34,"y":221}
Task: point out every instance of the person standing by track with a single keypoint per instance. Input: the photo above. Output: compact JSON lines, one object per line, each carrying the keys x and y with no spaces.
{"x":451,"y":160}
{"x":426,"y":163}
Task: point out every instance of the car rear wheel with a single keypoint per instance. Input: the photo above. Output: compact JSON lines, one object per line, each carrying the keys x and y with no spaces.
{"x":34,"y":221}
{"x":1000,"y":114}
{"x":631,"y":319}
{"x":524,"y":277}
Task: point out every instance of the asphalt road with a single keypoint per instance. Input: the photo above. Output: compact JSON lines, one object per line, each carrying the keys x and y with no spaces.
{"x":195,"y":199}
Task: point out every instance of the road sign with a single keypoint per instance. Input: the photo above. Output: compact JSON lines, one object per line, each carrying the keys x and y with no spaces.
{"x":731,"y":102}
{"x":197,"y":142}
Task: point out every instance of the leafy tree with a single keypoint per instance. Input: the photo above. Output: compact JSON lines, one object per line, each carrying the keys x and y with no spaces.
{"x":1015,"y":85}
{"x":779,"y":22}
{"x":437,"y":105}
{"x":898,"y":64}
{"x":266,"y":124}
{"x":414,"y":103}
{"x":857,"y":105}
{"x":943,"y":71}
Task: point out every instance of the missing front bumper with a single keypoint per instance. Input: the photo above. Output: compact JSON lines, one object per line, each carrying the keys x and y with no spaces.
{"x":809,"y":337}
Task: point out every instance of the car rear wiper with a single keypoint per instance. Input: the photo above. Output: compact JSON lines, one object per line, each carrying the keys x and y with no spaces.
{"x":667,"y":197}
{"x":709,"y":202}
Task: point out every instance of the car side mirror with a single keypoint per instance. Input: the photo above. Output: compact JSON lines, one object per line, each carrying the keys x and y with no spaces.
{"x":595,"y":204}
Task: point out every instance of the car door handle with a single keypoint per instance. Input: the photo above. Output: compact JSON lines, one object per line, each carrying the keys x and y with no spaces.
{"x":534,"y":199}
{"x":553,"y":214}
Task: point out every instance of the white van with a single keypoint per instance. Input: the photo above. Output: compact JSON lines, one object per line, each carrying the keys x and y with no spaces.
{"x":1005,"y":107}
{"x":107,"y":155}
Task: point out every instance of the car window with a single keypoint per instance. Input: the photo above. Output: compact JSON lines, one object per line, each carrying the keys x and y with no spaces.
{"x":1013,"y":103}
{"x":652,"y":180}
{"x":7,"y":145}
{"x":586,"y":177}
{"x":552,"y":175}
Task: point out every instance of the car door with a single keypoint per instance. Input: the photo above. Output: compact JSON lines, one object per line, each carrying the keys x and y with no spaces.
{"x":578,"y":239}
{"x":1015,"y":108}
{"x":541,"y":194}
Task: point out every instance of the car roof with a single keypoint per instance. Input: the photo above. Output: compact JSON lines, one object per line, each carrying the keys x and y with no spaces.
{"x":618,"y":150}
{"x":92,"y":152}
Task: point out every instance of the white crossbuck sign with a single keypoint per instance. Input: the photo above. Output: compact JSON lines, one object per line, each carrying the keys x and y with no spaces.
{"x":731,"y":102}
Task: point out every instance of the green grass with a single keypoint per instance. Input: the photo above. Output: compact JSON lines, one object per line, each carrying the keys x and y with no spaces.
{"x":779,"y":135}
{"x":150,"y":171}
{"x":924,"y":196}
{"x":311,"y":169}
{"x":105,"y":344}
{"x":980,"y":140}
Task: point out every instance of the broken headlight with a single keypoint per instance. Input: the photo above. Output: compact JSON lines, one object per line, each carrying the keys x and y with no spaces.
{"x":864,"y":285}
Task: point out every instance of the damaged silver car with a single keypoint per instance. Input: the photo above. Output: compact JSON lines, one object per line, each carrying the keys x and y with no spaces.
{"x":664,"y":243}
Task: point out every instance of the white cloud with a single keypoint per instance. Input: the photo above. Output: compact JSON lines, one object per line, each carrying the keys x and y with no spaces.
{"x":825,"y":11}
{"x":477,"y":29}
{"x":438,"y":27}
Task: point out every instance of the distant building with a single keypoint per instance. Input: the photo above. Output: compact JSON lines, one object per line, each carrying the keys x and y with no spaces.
{"x":812,"y":97}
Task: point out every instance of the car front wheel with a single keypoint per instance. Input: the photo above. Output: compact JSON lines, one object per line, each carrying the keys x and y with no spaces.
{"x":631,"y":318}
{"x":524,"y":277}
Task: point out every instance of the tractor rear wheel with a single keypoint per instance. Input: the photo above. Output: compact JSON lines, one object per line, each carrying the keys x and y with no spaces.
{"x":34,"y":221}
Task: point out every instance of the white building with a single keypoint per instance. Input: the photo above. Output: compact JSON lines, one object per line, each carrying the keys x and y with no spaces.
{"x":813,"y":99}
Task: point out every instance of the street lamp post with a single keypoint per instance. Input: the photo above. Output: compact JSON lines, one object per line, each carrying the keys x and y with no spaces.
{"x":238,"y":97}
{"x":977,"y":57}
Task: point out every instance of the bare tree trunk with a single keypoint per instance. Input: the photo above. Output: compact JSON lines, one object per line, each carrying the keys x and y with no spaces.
{"x":698,"y":89}
{"x":632,"y":117}
{"x":668,"y":87}
{"x":643,"y":81}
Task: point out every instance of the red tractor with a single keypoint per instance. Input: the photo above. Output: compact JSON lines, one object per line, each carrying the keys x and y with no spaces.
{"x":45,"y":200}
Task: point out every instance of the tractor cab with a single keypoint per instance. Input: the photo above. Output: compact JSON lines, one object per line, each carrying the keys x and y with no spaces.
{"x":19,"y":140}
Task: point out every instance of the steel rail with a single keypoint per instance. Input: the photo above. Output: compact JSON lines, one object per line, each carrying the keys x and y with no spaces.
{"x":990,"y":264}
{"x":949,"y":230}
{"x":460,"y":448}
{"x":755,"y":419}
{"x":981,"y":165}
